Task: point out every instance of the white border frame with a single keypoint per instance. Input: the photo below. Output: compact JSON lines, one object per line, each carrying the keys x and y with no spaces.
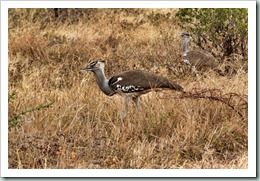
{"x":250,"y":172}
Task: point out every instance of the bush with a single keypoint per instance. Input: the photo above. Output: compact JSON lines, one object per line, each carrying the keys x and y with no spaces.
{"x":224,"y":29}
{"x":14,"y":118}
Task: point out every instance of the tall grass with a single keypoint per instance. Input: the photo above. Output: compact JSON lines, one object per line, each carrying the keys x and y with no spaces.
{"x":83,"y":129}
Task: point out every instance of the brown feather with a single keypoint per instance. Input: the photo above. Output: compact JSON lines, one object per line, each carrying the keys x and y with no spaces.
{"x":142,"y":79}
{"x":201,"y":59}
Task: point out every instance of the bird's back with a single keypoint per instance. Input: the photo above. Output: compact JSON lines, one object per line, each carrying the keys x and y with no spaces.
{"x":138,"y":81}
{"x":201,"y":59}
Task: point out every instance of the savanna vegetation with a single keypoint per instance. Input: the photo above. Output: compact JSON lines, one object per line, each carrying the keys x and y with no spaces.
{"x":58,"y":118}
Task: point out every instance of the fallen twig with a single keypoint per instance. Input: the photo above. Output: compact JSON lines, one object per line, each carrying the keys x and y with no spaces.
{"x":230,"y":99}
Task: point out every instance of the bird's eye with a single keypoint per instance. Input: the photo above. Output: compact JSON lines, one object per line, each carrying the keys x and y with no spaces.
{"x":92,"y":64}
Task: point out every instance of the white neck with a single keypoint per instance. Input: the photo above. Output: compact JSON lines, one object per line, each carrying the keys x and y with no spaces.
{"x":102,"y":82}
{"x":185,"y":45}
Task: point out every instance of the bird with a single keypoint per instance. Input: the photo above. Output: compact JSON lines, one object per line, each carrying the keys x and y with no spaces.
{"x":129,"y":84}
{"x":199,"y":59}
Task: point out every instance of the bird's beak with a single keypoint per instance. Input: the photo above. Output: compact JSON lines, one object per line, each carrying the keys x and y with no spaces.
{"x":82,"y":70}
{"x":85,"y":69}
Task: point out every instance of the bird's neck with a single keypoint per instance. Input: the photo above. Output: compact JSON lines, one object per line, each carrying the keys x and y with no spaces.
{"x":102,"y":82}
{"x":185,"y":46}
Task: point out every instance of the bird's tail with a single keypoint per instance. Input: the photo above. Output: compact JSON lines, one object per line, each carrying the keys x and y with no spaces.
{"x":175,"y":86}
{"x":165,"y":83}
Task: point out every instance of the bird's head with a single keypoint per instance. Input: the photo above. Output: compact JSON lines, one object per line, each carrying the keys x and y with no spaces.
{"x":93,"y":66}
{"x":183,"y":35}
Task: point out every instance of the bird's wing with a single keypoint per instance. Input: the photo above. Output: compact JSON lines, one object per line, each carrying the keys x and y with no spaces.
{"x":200,"y":58}
{"x":137,"y":80}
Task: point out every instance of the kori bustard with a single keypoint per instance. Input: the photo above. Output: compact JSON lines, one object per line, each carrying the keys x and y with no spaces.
{"x":129,"y":84}
{"x":198,"y":59}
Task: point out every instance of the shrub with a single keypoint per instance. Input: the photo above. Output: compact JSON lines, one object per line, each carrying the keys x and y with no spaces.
{"x":225,"y":29}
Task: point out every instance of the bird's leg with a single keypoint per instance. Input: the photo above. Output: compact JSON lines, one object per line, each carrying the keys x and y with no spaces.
{"x":125,"y":107}
{"x":139,"y":116}
{"x":135,"y":99}
{"x":194,"y":70}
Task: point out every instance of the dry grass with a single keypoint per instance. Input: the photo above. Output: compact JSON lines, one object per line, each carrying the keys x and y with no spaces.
{"x":83,"y":129}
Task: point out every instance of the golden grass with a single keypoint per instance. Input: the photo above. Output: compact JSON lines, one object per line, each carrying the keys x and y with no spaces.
{"x":83,"y":129}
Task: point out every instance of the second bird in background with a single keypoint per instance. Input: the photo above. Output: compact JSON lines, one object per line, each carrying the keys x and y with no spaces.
{"x":199,"y":59}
